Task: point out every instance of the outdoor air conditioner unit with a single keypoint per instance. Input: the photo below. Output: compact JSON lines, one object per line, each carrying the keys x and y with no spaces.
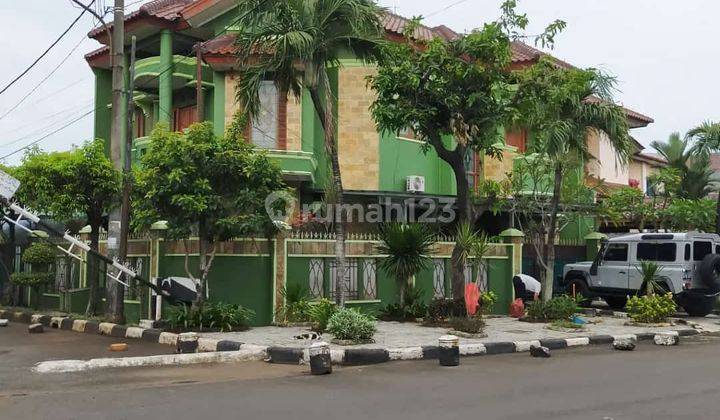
{"x":415,"y":183}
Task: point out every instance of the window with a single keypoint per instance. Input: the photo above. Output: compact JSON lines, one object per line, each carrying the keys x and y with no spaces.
{"x":471,"y":168}
{"x":350,"y":288}
{"x":648,"y":251}
{"x":438,"y":278}
{"x":184,"y":117}
{"x":687,"y":252}
{"x":317,"y":278}
{"x":516,"y":138}
{"x":616,"y":252}
{"x":264,"y":127}
{"x":369,"y":268}
{"x":701,"y":249}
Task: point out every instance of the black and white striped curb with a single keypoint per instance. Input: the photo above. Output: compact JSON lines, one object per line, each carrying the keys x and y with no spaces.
{"x":152,"y":335}
{"x":368,"y":356}
{"x":286,"y":355}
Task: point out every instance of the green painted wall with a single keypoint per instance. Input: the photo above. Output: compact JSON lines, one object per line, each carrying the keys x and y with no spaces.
{"x":245,"y":280}
{"x":218,"y":101}
{"x":401,"y":158}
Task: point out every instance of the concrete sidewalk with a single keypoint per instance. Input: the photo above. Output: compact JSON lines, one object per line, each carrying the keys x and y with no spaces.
{"x":503,"y":329}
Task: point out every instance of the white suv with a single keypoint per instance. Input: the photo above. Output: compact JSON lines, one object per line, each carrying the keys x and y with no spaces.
{"x":690,"y":269}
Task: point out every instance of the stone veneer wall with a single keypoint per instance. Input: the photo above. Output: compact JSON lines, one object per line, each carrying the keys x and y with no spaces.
{"x":359,"y":149}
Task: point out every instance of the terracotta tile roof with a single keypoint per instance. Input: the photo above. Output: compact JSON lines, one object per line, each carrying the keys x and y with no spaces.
{"x":630,"y":113}
{"x":396,"y":24}
{"x":223,"y":44}
{"x":525,"y":54}
{"x":98,"y":52}
{"x":162,"y":9}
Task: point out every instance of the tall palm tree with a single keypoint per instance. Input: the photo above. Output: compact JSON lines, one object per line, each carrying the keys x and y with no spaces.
{"x":693,"y":163}
{"x":707,"y":141}
{"x":407,"y":249}
{"x":294,"y":42}
{"x":562,"y":107}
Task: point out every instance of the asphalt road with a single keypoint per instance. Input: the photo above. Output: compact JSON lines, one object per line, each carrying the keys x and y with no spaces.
{"x":583,"y":383}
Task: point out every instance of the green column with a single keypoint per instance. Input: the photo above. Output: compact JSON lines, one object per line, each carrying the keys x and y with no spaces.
{"x":218,"y":103}
{"x":103,"y":95}
{"x":165,"y":80}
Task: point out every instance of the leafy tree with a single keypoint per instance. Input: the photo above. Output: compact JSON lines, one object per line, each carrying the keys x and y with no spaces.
{"x":41,"y":257}
{"x":66,"y":185}
{"x":529,"y":195}
{"x":298,"y":40}
{"x":561,"y":107}
{"x":456,"y":95}
{"x":408,"y":249}
{"x":707,"y":137}
{"x":202,"y":184}
{"x":627,"y":205}
{"x":692,"y":164}
{"x":683,"y":214}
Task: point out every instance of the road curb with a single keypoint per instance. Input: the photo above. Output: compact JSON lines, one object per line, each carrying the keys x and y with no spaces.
{"x":298,"y":355}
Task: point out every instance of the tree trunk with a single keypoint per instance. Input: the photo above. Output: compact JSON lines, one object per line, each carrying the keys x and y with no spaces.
{"x":403,"y":286}
{"x":464,"y":215}
{"x":717,"y":211}
{"x":324,"y":110}
{"x":93,"y":271}
{"x":200,"y":283}
{"x":549,"y":253}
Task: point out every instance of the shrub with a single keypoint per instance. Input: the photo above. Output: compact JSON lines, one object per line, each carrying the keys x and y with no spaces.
{"x":352,"y":325}
{"x":39,"y":255}
{"x":470,"y":325}
{"x":320,"y":313}
{"x":33,"y":280}
{"x":557,"y":308}
{"x":441,"y":309}
{"x":487,"y":301}
{"x":297,"y":306}
{"x":414,"y":306}
{"x":651,"y":308}
{"x":221,"y":316}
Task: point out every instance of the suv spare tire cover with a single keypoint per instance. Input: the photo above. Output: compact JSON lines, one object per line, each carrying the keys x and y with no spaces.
{"x":709,"y":271}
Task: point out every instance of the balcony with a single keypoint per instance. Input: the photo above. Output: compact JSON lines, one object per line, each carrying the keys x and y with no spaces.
{"x":296,"y":165}
{"x":184,"y":72}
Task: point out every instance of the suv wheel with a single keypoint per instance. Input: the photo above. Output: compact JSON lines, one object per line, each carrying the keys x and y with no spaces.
{"x":616,"y":302}
{"x":709,"y":271}
{"x":580,"y":288}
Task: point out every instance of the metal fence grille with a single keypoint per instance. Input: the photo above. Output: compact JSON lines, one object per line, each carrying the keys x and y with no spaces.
{"x":350,"y":288}
{"x":438,"y":278}
{"x":317,"y":276}
{"x":369,"y":269}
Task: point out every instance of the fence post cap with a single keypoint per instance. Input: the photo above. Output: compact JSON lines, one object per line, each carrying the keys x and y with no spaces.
{"x":595,"y":235}
{"x":86,"y":229}
{"x":159,"y":225}
{"x":512,"y":233}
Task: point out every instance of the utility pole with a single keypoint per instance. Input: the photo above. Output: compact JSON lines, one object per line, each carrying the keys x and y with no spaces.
{"x":127,"y":162}
{"x":115,"y":293}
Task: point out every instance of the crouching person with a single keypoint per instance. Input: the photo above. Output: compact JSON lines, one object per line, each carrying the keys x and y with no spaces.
{"x":526,"y":287}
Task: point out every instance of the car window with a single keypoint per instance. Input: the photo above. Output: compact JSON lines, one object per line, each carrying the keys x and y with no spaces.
{"x":701,"y":249}
{"x":653,"y":251}
{"x":616,"y":252}
{"x":687,"y":252}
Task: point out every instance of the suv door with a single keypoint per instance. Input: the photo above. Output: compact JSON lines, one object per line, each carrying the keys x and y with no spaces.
{"x":613,"y":270}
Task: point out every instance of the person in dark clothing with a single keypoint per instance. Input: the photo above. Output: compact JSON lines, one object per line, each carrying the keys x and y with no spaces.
{"x":526,"y":287}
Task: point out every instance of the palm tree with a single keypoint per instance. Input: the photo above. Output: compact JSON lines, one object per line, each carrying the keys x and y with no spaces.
{"x":294,"y":42}
{"x":408,"y":249}
{"x":693,"y":163}
{"x":562,"y":107}
{"x":707,"y":140}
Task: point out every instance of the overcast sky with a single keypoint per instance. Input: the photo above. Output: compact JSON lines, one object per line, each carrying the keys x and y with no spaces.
{"x":662,"y":51}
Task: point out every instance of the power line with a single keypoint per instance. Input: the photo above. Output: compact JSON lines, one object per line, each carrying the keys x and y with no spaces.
{"x":37,"y":60}
{"x":37,"y":86}
{"x":47,"y":135}
{"x":448,"y":7}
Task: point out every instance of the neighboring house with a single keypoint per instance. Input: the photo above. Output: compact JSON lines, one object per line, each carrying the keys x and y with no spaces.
{"x":375,"y":167}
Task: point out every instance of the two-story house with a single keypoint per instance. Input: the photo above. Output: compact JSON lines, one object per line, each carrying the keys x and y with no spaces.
{"x":375,"y":166}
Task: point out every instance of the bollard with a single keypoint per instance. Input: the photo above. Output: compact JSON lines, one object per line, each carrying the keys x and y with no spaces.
{"x":320,"y":362}
{"x":449,"y":351}
{"x":187,"y":343}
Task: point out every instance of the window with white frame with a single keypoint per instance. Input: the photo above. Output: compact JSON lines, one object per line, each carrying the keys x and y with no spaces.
{"x":264,"y":126}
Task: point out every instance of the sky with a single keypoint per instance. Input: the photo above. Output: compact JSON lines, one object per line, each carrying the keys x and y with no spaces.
{"x":662,"y":52}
